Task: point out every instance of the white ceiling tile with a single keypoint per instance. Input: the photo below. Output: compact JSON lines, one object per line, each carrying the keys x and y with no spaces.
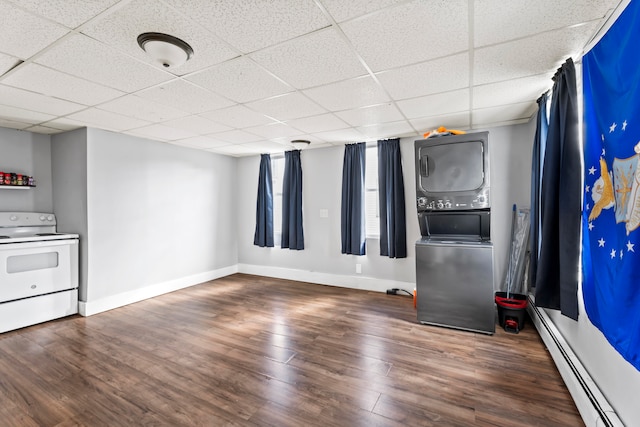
{"x":236,"y":137}
{"x":321,"y":123}
{"x":23,"y":34}
{"x":24,"y":116}
{"x":266,"y":147}
{"x":200,"y":142}
{"x":274,"y":130}
{"x":43,"y":130}
{"x":511,"y":91}
{"x":432,"y":105}
{"x":36,"y":102}
{"x":240,"y":80}
{"x":161,"y":132}
{"x":459,"y":121}
{"x":342,"y":10}
{"x":313,"y":140}
{"x":426,"y":78}
{"x":106,"y":120}
{"x":71,"y":13}
{"x":197,"y":124}
{"x":252,"y":25}
{"x":237,"y":116}
{"x":89,"y":59}
{"x":410,"y":32}
{"x":12,"y":124}
{"x":185,"y":96}
{"x":234,"y":150}
{"x":285,"y":107}
{"x":40,"y":79}
{"x":387,"y":130}
{"x":7,"y":62}
{"x":533,"y":55}
{"x":342,"y":136}
{"x":371,"y":115}
{"x":315,"y":59}
{"x":503,"y":113}
{"x":354,"y":93}
{"x":540,"y":16}
{"x":143,"y":109}
{"x":121,"y":29}
{"x":63,"y":124}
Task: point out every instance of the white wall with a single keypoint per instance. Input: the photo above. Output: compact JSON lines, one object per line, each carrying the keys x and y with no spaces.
{"x":26,"y":153}
{"x":69,"y":171}
{"x":159,"y":216}
{"x":321,"y":260}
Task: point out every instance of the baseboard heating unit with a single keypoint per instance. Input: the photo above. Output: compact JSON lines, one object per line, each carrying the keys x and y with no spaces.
{"x":591,"y":403}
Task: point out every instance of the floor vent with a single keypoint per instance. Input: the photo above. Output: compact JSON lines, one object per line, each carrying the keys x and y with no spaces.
{"x":591,"y":403}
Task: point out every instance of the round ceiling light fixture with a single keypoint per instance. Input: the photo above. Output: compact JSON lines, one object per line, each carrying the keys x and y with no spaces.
{"x":300,"y":143}
{"x":166,"y":50}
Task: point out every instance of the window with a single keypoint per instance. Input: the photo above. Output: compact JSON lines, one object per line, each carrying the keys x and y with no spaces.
{"x":371,"y":205}
{"x":277,"y":175}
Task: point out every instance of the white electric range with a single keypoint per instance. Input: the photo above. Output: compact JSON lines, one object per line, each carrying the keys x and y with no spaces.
{"x":38,"y":270}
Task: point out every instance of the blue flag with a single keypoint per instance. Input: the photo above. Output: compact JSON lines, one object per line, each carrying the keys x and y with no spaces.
{"x":611,"y":210}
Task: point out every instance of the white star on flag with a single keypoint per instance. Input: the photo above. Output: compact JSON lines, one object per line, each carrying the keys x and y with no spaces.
{"x":588,"y":188}
{"x":613,"y":253}
{"x":630,"y":246}
{"x":590,"y":226}
{"x":601,"y":243}
{"x":602,"y":137}
{"x":624,"y":125}
{"x":621,"y":253}
{"x":603,"y":152}
{"x":592,"y":171}
{"x":612,"y":127}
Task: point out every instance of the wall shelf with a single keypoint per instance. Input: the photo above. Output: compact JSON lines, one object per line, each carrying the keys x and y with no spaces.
{"x":16,"y":187}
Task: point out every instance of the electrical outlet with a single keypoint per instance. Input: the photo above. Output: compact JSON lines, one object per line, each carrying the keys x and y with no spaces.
{"x":359,"y":268}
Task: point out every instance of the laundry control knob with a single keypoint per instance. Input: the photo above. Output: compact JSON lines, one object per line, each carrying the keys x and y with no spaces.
{"x":422,"y":202}
{"x":42,"y":217}
{"x":447,"y":204}
{"x":440,"y":205}
{"x":13,"y":218}
{"x":49,"y":217}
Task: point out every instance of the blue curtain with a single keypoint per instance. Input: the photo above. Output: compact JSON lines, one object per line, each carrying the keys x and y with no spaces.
{"x":539,"y":144}
{"x":560,"y":201}
{"x":352,"y":208}
{"x":292,"y":234}
{"x":264,"y":207}
{"x":393,"y":227}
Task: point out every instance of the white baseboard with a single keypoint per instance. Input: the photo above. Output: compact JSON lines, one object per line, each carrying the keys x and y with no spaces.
{"x":594,"y":408}
{"x":340,"y":280}
{"x":89,"y":308}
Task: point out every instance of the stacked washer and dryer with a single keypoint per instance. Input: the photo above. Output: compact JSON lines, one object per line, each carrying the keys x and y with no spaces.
{"x":454,"y":256}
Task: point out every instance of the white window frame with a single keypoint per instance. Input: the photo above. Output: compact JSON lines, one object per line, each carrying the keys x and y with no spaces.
{"x":371,"y":192}
{"x":277,"y":177}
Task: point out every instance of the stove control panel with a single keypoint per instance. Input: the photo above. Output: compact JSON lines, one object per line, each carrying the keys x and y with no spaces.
{"x":13,"y":219}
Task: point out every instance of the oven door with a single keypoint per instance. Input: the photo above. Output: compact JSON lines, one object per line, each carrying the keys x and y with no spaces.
{"x":35,"y":268}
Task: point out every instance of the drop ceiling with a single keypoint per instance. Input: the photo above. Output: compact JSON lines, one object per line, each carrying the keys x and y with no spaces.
{"x":265,"y":72}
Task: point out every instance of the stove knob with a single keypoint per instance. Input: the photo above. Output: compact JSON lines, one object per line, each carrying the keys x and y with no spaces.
{"x":13,"y":217}
{"x":422,"y":202}
{"x":49,"y":217}
{"x":42,"y":217}
{"x":481,"y":199}
{"x":447,"y":204}
{"x":440,"y":205}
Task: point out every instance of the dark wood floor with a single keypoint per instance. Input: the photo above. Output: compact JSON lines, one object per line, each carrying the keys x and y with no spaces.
{"x":253,"y":351}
